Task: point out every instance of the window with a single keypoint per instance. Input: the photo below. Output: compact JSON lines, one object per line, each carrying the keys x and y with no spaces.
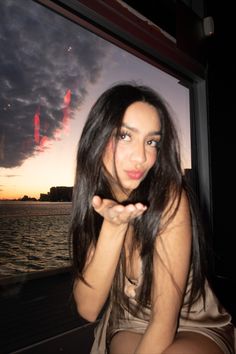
{"x":55,"y":61}
{"x":53,"y":70}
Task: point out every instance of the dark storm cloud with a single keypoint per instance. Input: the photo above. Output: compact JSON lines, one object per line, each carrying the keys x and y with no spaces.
{"x":42,"y":55}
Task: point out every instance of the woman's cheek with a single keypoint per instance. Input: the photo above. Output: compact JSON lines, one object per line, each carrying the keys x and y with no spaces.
{"x":122,"y":153}
{"x":153,"y":158}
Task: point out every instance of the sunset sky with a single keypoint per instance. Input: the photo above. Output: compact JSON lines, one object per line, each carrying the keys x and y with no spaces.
{"x":52,"y":71}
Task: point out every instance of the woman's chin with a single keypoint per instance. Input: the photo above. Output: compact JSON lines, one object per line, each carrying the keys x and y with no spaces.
{"x":129,"y":187}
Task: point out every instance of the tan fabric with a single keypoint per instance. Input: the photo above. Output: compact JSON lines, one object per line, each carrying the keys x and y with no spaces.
{"x":213,"y":321}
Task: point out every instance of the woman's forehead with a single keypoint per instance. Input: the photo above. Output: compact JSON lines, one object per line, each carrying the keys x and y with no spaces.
{"x":141,"y":115}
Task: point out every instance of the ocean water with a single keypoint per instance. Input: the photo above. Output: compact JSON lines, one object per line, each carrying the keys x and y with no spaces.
{"x":33,"y":236}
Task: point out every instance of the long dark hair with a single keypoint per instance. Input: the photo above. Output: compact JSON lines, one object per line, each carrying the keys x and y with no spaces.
{"x":164,"y":183}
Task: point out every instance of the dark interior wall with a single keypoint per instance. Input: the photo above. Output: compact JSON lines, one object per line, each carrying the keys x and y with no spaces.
{"x":221,"y":97}
{"x":221,"y":61}
{"x":161,"y":13}
{"x":217,"y":53}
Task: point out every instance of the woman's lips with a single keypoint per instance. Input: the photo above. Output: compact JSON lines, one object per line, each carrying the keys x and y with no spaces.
{"x":135,"y":174}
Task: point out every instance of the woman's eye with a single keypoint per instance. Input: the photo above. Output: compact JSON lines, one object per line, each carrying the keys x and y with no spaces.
{"x":153,"y":143}
{"x":124,"y":136}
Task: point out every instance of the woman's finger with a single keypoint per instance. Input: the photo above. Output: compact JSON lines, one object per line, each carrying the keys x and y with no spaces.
{"x":117,"y":213}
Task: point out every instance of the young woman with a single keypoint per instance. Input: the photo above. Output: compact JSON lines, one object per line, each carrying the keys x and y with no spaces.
{"x":137,"y":247}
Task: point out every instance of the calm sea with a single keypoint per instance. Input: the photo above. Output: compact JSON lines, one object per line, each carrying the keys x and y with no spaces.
{"x":33,"y":236}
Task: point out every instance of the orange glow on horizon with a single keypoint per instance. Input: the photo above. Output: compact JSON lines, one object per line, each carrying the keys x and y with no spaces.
{"x":15,"y":195}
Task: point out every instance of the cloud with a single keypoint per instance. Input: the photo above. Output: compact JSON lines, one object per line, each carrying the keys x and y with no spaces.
{"x":42,"y":56}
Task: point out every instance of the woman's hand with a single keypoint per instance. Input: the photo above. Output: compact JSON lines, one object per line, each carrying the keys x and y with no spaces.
{"x":116,"y":213}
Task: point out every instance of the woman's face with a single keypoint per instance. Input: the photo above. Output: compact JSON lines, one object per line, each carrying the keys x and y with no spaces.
{"x":131,"y":153}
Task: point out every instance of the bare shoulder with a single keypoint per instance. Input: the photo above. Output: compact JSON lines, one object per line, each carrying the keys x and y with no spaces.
{"x":173,"y":245}
{"x":183,"y":207}
{"x":177,"y":210}
{"x":176,"y":232}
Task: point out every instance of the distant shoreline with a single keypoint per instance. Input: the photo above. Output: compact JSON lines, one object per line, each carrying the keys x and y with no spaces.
{"x":56,"y":194}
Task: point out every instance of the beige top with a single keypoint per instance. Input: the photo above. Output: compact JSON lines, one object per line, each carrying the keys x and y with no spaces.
{"x":212,"y":321}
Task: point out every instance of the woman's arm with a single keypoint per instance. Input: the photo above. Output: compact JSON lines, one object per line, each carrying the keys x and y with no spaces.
{"x":102,"y":260}
{"x":171,"y":268}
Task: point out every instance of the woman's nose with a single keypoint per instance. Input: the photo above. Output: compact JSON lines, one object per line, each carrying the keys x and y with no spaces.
{"x":138,"y":153}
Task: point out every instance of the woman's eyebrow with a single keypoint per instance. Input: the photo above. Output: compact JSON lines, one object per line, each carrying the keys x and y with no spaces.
{"x":135,"y":130}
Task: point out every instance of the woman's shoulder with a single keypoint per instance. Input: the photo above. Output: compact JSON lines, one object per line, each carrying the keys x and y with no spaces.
{"x":177,"y":210}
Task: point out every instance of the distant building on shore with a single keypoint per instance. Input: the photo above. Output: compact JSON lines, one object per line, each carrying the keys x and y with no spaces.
{"x":27,"y":199}
{"x":57,"y":194}
{"x":44,"y":197}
